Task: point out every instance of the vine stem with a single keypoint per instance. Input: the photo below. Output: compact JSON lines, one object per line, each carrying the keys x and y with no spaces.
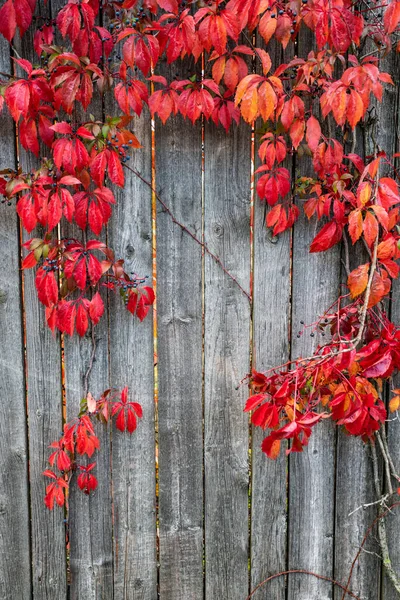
{"x":90,"y":365}
{"x":387,"y":563}
{"x":186,"y":230}
{"x":303,"y":572}
{"x":367,"y":294}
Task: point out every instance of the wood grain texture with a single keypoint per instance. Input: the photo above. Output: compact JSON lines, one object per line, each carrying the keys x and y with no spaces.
{"x":226,"y":347}
{"x":179,"y":331}
{"x":15,"y":573}
{"x":271,"y":342}
{"x":388,"y":137}
{"x":312,"y":473}
{"x":354,"y":481}
{"x":90,"y":517}
{"x":271,"y":337}
{"x":354,"y":486}
{"x":44,"y":401}
{"x":131,"y":364}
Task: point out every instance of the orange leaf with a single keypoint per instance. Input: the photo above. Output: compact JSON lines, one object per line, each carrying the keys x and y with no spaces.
{"x":355,"y":225}
{"x":357,"y":280}
{"x":371,"y":228}
{"x":394,"y":404}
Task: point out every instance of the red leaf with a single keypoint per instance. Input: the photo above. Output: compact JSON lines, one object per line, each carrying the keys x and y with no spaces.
{"x":330,"y":234}
{"x":96,"y":308}
{"x":380,"y":367}
{"x":358,"y":279}
{"x":8,"y":22}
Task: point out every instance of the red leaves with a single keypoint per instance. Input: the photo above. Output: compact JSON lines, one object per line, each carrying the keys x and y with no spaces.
{"x":328,"y":236}
{"x":358,"y":279}
{"x":93,"y":208}
{"x":86,"y":481}
{"x":215,"y":26}
{"x":47,"y":286}
{"x":391,"y":17}
{"x":258,"y":96}
{"x":79,"y":438}
{"x":139,"y":301}
{"x":16,"y":13}
{"x":274,"y":184}
{"x":127,"y":413}
{"x":107,"y":159}
{"x":140,"y":49}
{"x":55,"y":490}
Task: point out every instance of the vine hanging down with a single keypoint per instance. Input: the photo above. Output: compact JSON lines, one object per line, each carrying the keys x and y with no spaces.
{"x":308,"y":108}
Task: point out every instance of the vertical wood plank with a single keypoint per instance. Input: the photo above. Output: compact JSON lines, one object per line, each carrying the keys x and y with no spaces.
{"x":44,"y":400}
{"x":131,"y":364}
{"x":15,"y":575}
{"x":388,"y":137}
{"x":355,"y":486}
{"x":271,"y":342}
{"x":315,"y":285}
{"x":90,"y":517}
{"x":226,"y":346}
{"x":271,"y":339}
{"x":316,"y":280}
{"x":179,"y":331}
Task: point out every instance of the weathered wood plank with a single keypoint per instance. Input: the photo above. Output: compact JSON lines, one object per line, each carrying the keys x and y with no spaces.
{"x":179,"y":331}
{"x":311,"y":474}
{"x":44,"y":401}
{"x":91,"y":548}
{"x":388,"y":137}
{"x":315,"y":285}
{"x":131,"y":364}
{"x":271,"y":342}
{"x":354,"y":485}
{"x":226,"y":347}
{"x":271,"y":336}
{"x":15,"y":576}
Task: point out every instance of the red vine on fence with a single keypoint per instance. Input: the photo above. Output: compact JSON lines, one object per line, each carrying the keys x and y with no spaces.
{"x":309,"y":106}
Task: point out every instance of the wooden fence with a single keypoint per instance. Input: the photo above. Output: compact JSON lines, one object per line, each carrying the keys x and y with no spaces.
{"x":188,"y":508}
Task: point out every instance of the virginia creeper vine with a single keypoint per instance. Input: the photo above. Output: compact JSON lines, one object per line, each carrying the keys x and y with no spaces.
{"x":309,"y":108}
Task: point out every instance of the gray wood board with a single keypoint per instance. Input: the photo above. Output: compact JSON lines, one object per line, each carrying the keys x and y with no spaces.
{"x":44,"y":401}
{"x":131,"y":364}
{"x":227,"y":361}
{"x":179,"y":333}
{"x":15,"y":577}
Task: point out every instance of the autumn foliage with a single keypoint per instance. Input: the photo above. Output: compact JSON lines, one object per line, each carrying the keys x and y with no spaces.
{"x":308,"y":107}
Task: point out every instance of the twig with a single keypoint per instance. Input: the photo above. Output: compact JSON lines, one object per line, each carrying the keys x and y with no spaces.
{"x":90,"y":366}
{"x":385,"y":443}
{"x":304,"y":572}
{"x":367,"y":294}
{"x":387,"y":563}
{"x":346,"y":261}
{"x":381,"y":501}
{"x":186,"y":230}
{"x":378,"y":519}
{"x":386,"y":462}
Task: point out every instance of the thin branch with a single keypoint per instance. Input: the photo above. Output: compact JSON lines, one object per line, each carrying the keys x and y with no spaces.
{"x":346,"y":261}
{"x":378,"y":519}
{"x":386,"y":462}
{"x":90,"y":366}
{"x":390,"y":459}
{"x":367,"y":294}
{"x":381,"y":501}
{"x":304,"y":572}
{"x":387,"y":563}
{"x":186,"y":230}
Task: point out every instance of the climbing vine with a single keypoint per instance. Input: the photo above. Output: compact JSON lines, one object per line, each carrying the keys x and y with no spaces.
{"x":307,"y":109}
